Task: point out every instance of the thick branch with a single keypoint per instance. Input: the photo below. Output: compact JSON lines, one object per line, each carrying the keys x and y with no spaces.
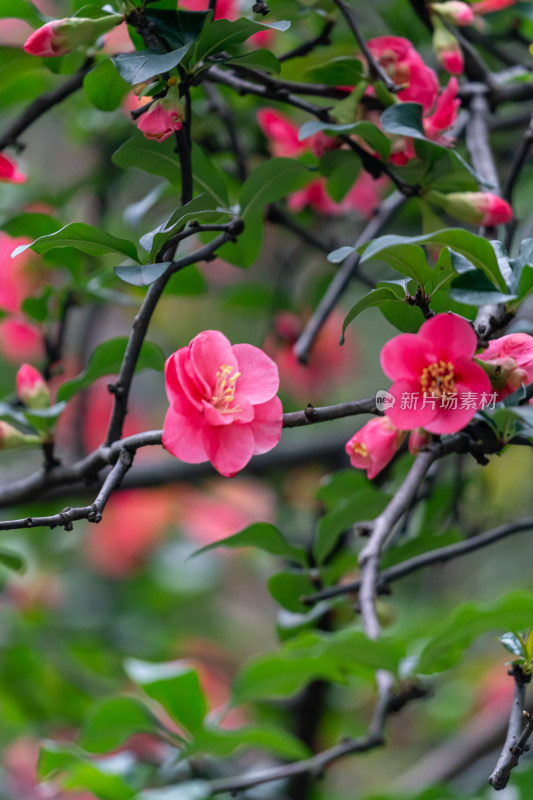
{"x":517,"y":736}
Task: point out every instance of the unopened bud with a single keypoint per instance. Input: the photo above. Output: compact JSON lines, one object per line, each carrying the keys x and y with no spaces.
{"x":10,"y":437}
{"x":163,"y":118}
{"x":447,"y":48}
{"x":478,"y":208}
{"x":61,"y":36}
{"x":454,"y":11}
{"x":31,"y":387}
{"x":418,"y":439}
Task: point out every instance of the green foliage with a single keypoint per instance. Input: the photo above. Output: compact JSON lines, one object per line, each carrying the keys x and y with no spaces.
{"x":263,"y":536}
{"x":82,"y":237}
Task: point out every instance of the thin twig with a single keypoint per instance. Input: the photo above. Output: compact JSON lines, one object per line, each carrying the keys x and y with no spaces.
{"x":517,"y":735}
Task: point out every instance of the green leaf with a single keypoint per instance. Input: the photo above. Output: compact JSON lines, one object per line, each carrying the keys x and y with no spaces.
{"x":263,"y":536}
{"x":267,"y":737}
{"x":362,"y":505}
{"x":282,"y":676}
{"x":404,"y":119}
{"x":366,"y":130}
{"x":270,"y":181}
{"x":351,"y":648}
{"x":31,"y":224}
{"x":175,"y":685}
{"x":21,"y":9}
{"x":37,"y":307}
{"x":513,"y":611}
{"x":103,"y":87}
{"x":106,"y":359}
{"x":409,"y":260}
{"x":109,"y":723}
{"x":288,"y":586}
{"x":12,"y":561}
{"x":261,"y":59}
{"x":141,"y":274}
{"x":340,"y":254}
{"x":475,"y":248}
{"x":156,"y":158}
{"x":209,"y":178}
{"x":139,"y":67}
{"x":513,"y":644}
{"x":223,"y":34}
{"x":54,"y":758}
{"x":177,"y":27}
{"x":340,"y":71}
{"x":475,"y":289}
{"x":44,"y":419}
{"x":81,"y":237}
{"x":374,"y":298}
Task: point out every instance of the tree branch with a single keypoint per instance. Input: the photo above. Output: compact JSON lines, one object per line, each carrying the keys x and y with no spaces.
{"x":517,"y":736}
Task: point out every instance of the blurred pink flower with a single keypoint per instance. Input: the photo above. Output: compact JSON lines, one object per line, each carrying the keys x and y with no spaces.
{"x":433,"y":366}
{"x":163,"y":118}
{"x":489,"y":6}
{"x":223,"y":403}
{"x":229,"y":9}
{"x":20,"y":340}
{"x":9,"y":171}
{"x":329,"y":363}
{"x":405,"y":66}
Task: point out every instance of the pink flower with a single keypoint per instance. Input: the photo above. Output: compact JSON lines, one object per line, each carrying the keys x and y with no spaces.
{"x":437,"y":386}
{"x":31,"y":387}
{"x":404,"y":65}
{"x":281,"y":133}
{"x":9,"y":172}
{"x":223,"y":403}
{"x":163,"y":118}
{"x":329,"y":364}
{"x":489,"y":6}
{"x":364,"y":197}
{"x":510,"y":362}
{"x":20,"y":341}
{"x":373,"y":446}
{"x":133,"y":523}
{"x":444,"y":115}
{"x":478,"y":208}
{"x":61,"y":36}
{"x":447,"y":48}
{"x":454,"y":11}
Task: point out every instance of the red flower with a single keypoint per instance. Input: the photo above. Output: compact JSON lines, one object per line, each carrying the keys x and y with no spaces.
{"x":163,"y":118}
{"x":511,"y":359}
{"x":373,"y":446}
{"x":437,"y":386}
{"x":404,"y":65}
{"x":223,"y":403}
{"x":281,"y":133}
{"x":9,"y":172}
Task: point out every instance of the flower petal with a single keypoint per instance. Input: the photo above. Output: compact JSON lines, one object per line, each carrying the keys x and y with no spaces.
{"x":450,"y":336}
{"x":267,"y":424}
{"x":406,"y":418}
{"x":259,"y":378}
{"x":182,"y":436}
{"x":229,"y":448}
{"x":405,"y":356}
{"x":209,"y":351}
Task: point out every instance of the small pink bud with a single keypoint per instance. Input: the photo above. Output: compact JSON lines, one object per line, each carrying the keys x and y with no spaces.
{"x":9,"y":172}
{"x":508,"y":361}
{"x":373,"y":446}
{"x":489,"y":6}
{"x":61,"y":36}
{"x":447,"y":48}
{"x":31,"y":388}
{"x":478,"y":208}
{"x":163,"y":118}
{"x":454,"y":11}
{"x":418,"y":439}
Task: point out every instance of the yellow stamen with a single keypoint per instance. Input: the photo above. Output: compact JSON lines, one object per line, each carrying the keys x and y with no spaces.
{"x":438,"y":379}
{"x":360,"y":449}
{"x":225,"y":390}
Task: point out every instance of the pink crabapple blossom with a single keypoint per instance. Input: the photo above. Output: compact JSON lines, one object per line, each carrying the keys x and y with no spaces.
{"x":434,"y":366}
{"x":223,"y":403}
{"x":374,"y":445}
{"x":9,"y":172}
{"x":478,"y":208}
{"x":163,"y":118}
{"x":509,"y":361}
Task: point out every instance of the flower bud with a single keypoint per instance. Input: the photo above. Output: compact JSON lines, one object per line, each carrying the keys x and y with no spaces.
{"x":478,"y":208}
{"x":508,"y":361}
{"x":163,"y":118}
{"x":489,"y":6}
{"x":373,"y":446}
{"x":418,"y":439}
{"x":10,"y":437}
{"x":9,"y":172}
{"x":447,"y":48}
{"x":61,"y":36}
{"x":31,"y":388}
{"x":454,"y":11}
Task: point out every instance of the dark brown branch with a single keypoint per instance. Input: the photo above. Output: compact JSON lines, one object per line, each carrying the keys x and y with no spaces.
{"x":439,"y":556}
{"x":376,"y":72}
{"x":342,"y":278}
{"x":517,"y":735}
{"x":44,"y":103}
{"x":310,"y":415}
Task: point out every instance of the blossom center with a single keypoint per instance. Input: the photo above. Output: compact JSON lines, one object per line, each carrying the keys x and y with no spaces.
{"x":438,"y":379}
{"x":224,"y":394}
{"x":360,"y":449}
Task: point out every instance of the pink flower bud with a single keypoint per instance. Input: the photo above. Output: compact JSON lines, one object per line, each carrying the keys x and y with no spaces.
{"x":418,"y":439}
{"x":488,"y":6}
{"x":454,"y":11}
{"x":10,"y":437}
{"x":31,"y":387}
{"x":163,"y":118}
{"x":373,"y":446}
{"x":9,"y":172}
{"x":508,"y":361}
{"x":479,"y":208}
{"x":447,"y":48}
{"x":61,"y":36}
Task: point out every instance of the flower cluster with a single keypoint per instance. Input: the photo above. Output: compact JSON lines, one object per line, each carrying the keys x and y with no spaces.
{"x":438,"y":385}
{"x":223,"y":403}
